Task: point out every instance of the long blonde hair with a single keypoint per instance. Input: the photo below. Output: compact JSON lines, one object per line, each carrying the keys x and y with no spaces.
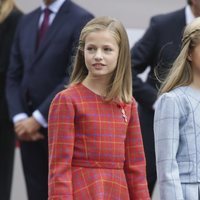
{"x":120,"y":84}
{"x":6,"y":6}
{"x":181,"y":72}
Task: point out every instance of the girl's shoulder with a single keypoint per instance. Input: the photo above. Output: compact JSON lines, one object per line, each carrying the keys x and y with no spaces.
{"x":184,"y":97}
{"x":70,"y":93}
{"x":172,"y":95}
{"x":178,"y":94}
{"x":131,"y":105}
{"x":183,"y":93}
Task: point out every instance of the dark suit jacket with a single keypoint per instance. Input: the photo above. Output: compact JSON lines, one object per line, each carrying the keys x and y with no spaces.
{"x":7,"y":31}
{"x":43,"y":72}
{"x":158,"y":48}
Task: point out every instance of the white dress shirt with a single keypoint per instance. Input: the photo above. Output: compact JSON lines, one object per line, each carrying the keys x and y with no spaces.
{"x":54,"y":7}
{"x":189,"y":16}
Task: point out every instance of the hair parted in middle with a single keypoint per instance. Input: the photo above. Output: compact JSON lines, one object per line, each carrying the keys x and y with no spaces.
{"x":181,"y":72}
{"x":120,"y":84}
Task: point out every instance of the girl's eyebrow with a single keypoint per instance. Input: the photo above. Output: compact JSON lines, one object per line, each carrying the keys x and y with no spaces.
{"x":102,"y":45}
{"x":108,"y":45}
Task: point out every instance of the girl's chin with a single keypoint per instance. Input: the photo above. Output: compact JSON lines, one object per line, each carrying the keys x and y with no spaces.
{"x":98,"y":72}
{"x":99,"y":75}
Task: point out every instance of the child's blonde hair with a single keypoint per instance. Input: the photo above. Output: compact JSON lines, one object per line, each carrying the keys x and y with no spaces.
{"x":181,"y":71}
{"x":6,"y":6}
{"x":120,"y":85}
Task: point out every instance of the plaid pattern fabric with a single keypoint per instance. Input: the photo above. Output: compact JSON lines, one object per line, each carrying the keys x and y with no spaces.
{"x":94,"y":154}
{"x":177,"y":143}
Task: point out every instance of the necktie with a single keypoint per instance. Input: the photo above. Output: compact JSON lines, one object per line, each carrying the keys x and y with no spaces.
{"x":44,"y":26}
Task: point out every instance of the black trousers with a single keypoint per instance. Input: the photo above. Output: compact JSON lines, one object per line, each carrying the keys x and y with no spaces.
{"x":146,"y":122}
{"x":35,"y":165}
{"x":7,"y":147}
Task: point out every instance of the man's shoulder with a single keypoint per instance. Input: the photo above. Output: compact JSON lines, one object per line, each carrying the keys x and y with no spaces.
{"x":169,"y":18}
{"x":28,"y":16}
{"x":78,"y":10}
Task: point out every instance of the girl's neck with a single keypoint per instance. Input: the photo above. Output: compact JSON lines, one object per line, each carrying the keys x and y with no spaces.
{"x":196,"y":81}
{"x":97,"y":85}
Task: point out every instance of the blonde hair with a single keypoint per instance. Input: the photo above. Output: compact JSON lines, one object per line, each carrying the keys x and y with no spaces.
{"x":120,"y":84}
{"x":6,"y":6}
{"x":181,"y":72}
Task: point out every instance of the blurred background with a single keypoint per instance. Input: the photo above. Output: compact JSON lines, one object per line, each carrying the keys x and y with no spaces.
{"x":134,"y":14}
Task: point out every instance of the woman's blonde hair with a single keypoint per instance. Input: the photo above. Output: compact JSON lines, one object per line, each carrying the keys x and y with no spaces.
{"x":6,"y":6}
{"x":120,"y":85}
{"x":181,"y":72}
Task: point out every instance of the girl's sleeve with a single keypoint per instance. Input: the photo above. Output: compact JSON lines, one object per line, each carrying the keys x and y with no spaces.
{"x":61,"y":144}
{"x":135,"y":164}
{"x":166,"y":130}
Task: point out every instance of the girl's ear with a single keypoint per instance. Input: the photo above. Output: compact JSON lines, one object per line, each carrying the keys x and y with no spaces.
{"x":189,"y":57}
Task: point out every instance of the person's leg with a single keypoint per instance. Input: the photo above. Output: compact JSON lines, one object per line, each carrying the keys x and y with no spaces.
{"x":146,"y":122}
{"x":7,"y":146}
{"x":35,"y":165}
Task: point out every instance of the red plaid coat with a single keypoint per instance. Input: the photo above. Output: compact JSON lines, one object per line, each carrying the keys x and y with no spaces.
{"x":95,"y":149}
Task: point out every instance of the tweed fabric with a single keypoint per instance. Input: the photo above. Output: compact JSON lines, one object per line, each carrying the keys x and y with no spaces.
{"x":177,"y":142}
{"x":95,"y":153}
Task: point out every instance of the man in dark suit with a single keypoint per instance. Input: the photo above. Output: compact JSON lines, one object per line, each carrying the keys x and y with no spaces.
{"x":40,"y":58}
{"x":157,"y":49}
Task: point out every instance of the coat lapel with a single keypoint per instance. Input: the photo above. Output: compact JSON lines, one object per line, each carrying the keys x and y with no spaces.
{"x":33,"y":30}
{"x":51,"y":32}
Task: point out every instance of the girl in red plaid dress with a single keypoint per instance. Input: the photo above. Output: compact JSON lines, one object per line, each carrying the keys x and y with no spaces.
{"x":95,"y":145}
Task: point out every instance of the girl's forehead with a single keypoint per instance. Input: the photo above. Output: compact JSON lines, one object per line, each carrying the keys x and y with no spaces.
{"x":104,"y":36}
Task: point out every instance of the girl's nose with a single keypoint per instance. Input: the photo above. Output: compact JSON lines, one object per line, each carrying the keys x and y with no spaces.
{"x":98,"y":55}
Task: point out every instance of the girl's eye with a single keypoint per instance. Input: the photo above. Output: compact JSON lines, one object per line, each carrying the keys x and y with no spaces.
{"x":107,"y":49}
{"x":90,"y":48}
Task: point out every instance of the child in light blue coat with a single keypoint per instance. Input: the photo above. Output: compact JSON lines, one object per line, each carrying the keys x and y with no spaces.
{"x":177,"y":123}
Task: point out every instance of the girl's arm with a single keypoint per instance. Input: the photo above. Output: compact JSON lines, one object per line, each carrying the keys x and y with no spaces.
{"x":61,"y":144}
{"x":166,"y":130}
{"x":135,"y":165}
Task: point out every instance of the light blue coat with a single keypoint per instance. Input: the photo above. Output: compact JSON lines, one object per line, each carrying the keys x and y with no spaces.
{"x":177,"y":141}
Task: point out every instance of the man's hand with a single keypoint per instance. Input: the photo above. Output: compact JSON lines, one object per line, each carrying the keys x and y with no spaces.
{"x":29,"y":125}
{"x":28,"y":130}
